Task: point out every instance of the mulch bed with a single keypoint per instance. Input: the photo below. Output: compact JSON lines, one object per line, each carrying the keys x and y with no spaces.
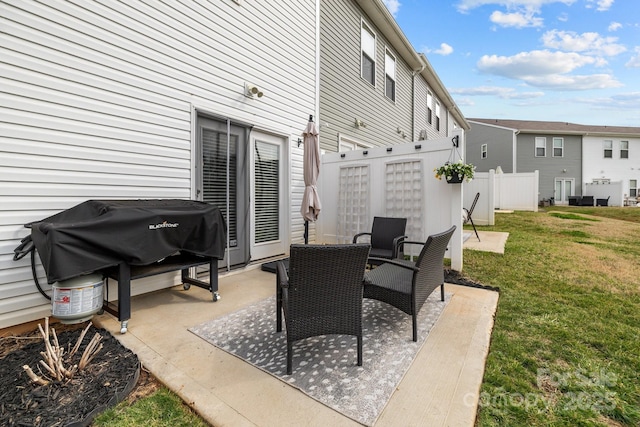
{"x":106,"y":380}
{"x":453,"y":276}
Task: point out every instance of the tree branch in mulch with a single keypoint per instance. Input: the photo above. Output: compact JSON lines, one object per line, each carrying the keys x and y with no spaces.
{"x":58,"y":365}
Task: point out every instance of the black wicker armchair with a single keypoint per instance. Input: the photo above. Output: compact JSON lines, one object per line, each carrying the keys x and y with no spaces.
{"x":322,"y":293}
{"x":386,"y":234}
{"x":407,"y":285}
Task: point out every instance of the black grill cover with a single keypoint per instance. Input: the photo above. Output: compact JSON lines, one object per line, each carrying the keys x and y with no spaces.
{"x":98,"y":234}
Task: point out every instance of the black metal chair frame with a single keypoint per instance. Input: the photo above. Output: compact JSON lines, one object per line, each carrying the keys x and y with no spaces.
{"x":407,"y":285}
{"x":468,"y":212}
{"x":321,"y":294}
{"x":386,"y":235}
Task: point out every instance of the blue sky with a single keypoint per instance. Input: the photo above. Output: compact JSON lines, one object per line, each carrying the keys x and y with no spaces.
{"x":560,"y":60}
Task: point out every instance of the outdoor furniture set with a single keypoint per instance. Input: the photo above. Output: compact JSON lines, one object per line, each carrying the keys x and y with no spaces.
{"x":322,"y":290}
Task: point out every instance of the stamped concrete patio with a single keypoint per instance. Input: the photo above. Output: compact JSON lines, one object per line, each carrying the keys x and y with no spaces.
{"x":440,"y":388}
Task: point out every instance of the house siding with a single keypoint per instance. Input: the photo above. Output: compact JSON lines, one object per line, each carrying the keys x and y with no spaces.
{"x":346,"y":96}
{"x":615,"y":168}
{"x":550,"y":167}
{"x":97,"y":101}
{"x":499,"y":147}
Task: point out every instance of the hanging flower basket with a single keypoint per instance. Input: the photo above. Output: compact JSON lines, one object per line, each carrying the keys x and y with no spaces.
{"x":456,"y":172}
{"x":455,"y":179}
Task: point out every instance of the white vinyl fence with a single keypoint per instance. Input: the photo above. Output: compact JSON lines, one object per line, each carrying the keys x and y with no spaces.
{"x":613,"y":190}
{"x":395,"y":181}
{"x":504,"y":191}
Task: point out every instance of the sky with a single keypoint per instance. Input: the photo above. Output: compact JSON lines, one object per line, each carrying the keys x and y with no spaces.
{"x":572,"y":61}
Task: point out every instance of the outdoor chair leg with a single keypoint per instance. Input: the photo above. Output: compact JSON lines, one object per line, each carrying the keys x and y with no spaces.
{"x":279,"y":310}
{"x":474,"y":228}
{"x":289,"y":358}
{"x":415,"y":326}
{"x":360,"y":351}
{"x":442,"y":292}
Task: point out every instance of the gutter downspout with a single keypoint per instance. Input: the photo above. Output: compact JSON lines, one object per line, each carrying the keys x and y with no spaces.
{"x":413,"y":98}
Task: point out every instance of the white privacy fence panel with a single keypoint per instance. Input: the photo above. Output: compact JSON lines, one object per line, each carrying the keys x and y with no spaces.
{"x":353,"y":205}
{"x":613,"y":190}
{"x":393,"y":181}
{"x":483,"y":183}
{"x":517,"y":191}
{"x":403,"y":195}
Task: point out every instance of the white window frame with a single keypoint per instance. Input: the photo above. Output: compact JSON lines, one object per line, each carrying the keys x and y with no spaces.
{"x":367,"y":50}
{"x":624,"y":149}
{"x":437,"y":115}
{"x":633,"y":188}
{"x":540,"y":143}
{"x":483,"y":151}
{"x":560,"y":147}
{"x":429,"y":107}
{"x":607,"y":149}
{"x":348,"y":143}
{"x":390,"y":74}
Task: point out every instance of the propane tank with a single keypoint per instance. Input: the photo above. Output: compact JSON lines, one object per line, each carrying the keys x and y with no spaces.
{"x":76,"y":300}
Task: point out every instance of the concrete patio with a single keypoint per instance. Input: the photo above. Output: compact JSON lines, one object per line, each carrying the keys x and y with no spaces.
{"x":440,"y":388}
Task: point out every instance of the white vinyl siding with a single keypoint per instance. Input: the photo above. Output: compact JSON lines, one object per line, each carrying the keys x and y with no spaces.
{"x":97,"y":101}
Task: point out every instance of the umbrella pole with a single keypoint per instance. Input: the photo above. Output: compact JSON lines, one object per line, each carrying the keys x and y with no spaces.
{"x":306,"y":232}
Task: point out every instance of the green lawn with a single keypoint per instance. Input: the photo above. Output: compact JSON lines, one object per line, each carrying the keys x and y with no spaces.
{"x":565,"y":349}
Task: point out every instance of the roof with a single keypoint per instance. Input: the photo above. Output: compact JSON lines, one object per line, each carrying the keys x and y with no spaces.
{"x":528,"y":126}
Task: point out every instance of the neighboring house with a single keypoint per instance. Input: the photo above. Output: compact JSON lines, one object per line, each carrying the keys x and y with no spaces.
{"x":375,"y":89}
{"x":567,"y":155}
{"x":116,"y":100}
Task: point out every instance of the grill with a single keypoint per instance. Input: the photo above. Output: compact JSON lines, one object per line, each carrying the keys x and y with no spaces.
{"x":129,"y":239}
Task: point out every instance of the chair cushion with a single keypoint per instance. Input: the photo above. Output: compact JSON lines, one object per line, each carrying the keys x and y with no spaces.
{"x":381,"y":253}
{"x":391,"y":277}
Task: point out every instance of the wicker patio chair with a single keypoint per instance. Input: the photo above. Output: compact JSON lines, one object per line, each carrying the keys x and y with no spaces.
{"x":322,"y":293}
{"x":407,"y":285}
{"x":385,"y":235}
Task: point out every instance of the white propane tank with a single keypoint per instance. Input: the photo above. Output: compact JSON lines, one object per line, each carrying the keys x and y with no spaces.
{"x":78,"y":299}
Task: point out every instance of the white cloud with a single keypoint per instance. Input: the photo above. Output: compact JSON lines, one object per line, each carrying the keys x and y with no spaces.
{"x":601,"y":5}
{"x":444,"y":50}
{"x":562,"y":82}
{"x":614,"y":26}
{"x":392,"y":5}
{"x":534,"y":5}
{"x":500,"y":92}
{"x":634,"y":62}
{"x":591,"y":43}
{"x":545,"y":69}
{"x":515,"y":19}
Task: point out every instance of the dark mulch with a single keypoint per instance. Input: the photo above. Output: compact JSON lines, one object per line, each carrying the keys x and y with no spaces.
{"x":106,"y":380}
{"x":453,"y":276}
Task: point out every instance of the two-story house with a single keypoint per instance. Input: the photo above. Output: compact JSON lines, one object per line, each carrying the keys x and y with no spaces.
{"x":567,"y":155}
{"x":133,"y":100}
{"x":375,"y":88}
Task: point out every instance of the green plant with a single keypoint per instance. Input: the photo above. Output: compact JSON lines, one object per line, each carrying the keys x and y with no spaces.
{"x":455,"y":169}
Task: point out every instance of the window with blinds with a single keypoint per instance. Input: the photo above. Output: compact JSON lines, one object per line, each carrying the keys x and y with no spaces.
{"x":214,"y":176}
{"x":267,"y":197}
{"x":353,"y":202}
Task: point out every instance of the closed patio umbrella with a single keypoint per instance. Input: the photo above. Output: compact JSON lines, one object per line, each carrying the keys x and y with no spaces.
{"x":311,"y":169}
